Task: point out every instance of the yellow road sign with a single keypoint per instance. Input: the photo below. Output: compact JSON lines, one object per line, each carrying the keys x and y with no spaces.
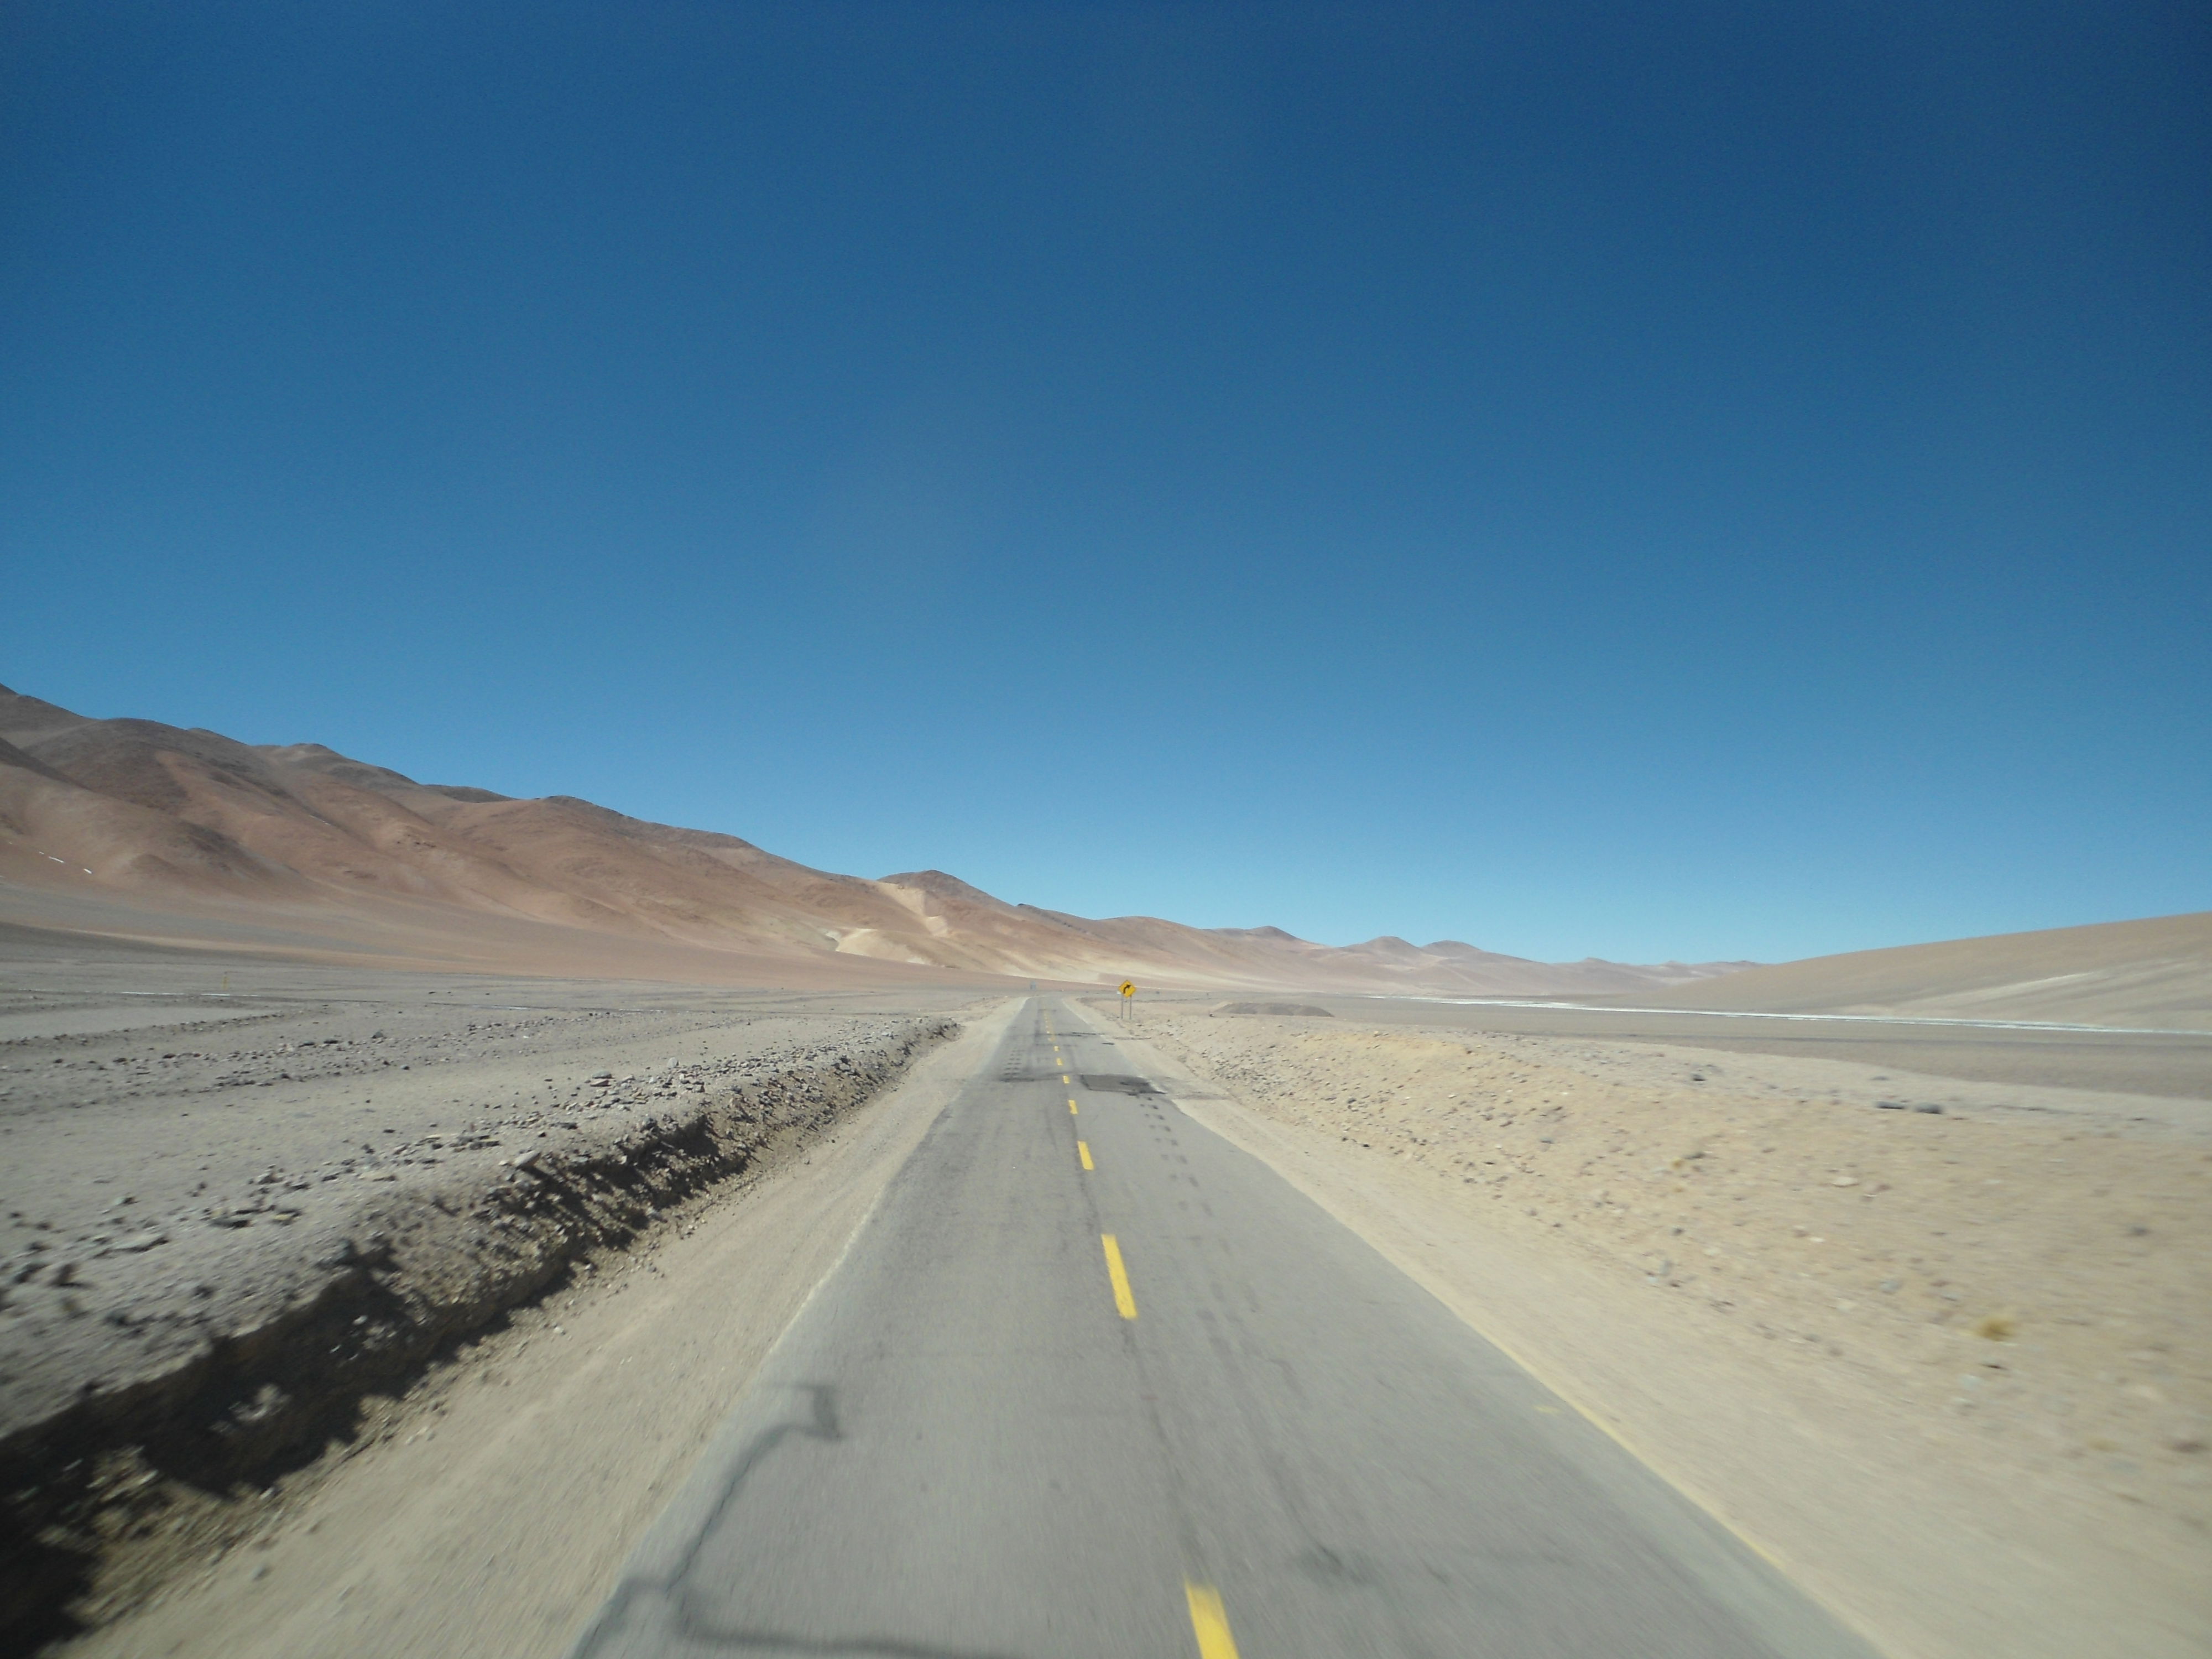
{"x":1129,"y":987}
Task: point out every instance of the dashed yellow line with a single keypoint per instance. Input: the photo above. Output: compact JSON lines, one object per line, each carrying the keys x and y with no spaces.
{"x":1123,"y":1301}
{"x":1071,"y":1112}
{"x":1082,"y":1151}
{"x":1209,"y":1622}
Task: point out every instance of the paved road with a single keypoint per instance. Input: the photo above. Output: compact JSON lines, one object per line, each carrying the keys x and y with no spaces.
{"x":1092,"y":1382}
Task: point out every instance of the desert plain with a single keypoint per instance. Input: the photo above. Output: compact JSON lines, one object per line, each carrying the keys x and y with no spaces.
{"x":1937,"y":1341}
{"x":400,"y":1183}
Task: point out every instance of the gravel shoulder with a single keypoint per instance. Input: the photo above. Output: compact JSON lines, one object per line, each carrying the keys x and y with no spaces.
{"x":239,"y":1200}
{"x":1951,"y":1367}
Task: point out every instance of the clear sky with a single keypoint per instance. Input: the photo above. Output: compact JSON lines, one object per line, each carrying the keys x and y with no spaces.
{"x":1655,"y":480}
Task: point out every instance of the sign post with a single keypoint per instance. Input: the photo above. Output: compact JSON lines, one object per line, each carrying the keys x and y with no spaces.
{"x":1128,"y":998}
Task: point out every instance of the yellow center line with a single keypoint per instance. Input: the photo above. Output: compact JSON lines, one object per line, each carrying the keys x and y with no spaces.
{"x":1082,"y":1151}
{"x":1209,"y":1622}
{"x":1071,"y":1112}
{"x":1122,"y":1300}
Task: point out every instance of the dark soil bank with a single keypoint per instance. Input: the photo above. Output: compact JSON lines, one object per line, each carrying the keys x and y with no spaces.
{"x":193,"y":1351}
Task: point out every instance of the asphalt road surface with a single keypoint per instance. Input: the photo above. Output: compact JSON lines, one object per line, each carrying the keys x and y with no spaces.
{"x":1092,"y":1382}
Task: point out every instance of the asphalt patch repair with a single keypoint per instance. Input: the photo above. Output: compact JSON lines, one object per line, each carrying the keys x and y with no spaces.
{"x":1116,"y":1084}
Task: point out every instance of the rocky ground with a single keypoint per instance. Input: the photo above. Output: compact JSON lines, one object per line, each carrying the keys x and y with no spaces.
{"x":1994,"y":1290}
{"x":230,"y":1211}
{"x":490,"y":1509}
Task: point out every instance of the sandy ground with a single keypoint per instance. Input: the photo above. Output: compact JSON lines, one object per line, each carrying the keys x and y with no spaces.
{"x":1949,"y":1367}
{"x":1952,"y":1369}
{"x":2167,"y":1066}
{"x":206,"y":1172}
{"x":2155,"y":972}
{"x":491,"y":1512}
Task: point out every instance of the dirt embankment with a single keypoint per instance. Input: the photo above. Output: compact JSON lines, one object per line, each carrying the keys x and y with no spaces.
{"x":156,"y":1458}
{"x":1984,"y":1328}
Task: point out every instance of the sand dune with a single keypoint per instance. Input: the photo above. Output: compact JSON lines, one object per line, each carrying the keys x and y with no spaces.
{"x":131,"y":828}
{"x":2156,"y":973}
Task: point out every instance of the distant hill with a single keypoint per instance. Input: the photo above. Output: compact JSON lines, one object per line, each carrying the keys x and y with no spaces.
{"x":2156,"y":973}
{"x":130,"y":827}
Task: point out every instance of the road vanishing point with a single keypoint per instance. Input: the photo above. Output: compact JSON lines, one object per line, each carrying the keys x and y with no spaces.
{"x":1092,"y":1383}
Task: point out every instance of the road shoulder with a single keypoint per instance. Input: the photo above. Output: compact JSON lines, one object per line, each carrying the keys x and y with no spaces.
{"x":495,"y":1510}
{"x":1924,"y":1538}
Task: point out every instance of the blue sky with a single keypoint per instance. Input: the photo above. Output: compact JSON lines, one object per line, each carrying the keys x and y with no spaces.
{"x":1699,"y":481}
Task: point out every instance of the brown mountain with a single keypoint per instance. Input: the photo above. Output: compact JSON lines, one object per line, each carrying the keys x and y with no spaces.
{"x":130,"y":827}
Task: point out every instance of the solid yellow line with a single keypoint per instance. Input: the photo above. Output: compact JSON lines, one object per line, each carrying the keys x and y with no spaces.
{"x":1118,"y":1274}
{"x":1210,"y":1622}
{"x":1082,"y":1151}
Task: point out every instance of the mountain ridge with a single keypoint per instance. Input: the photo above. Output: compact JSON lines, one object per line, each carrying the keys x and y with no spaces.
{"x":187,"y":821}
